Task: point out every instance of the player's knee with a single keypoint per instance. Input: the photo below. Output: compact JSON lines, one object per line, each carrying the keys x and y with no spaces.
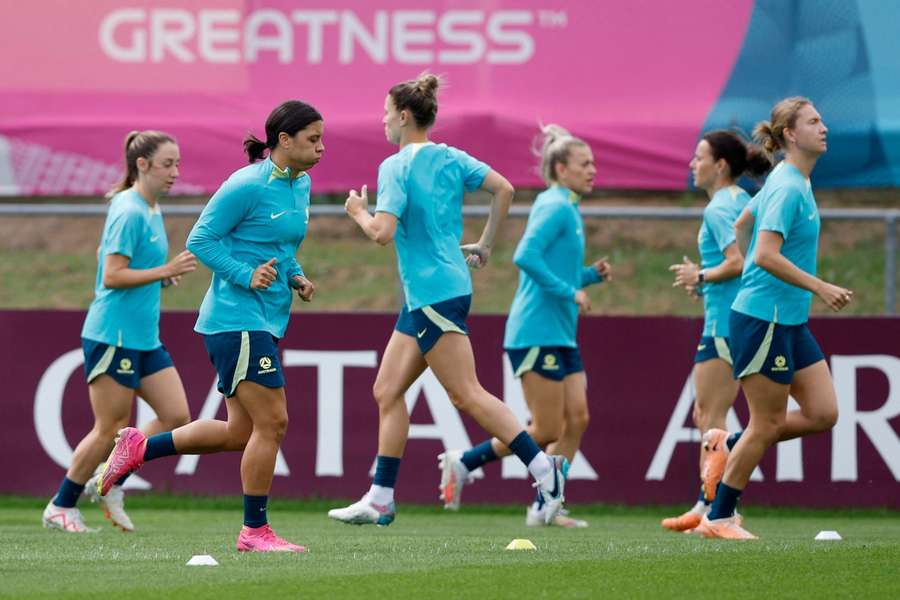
{"x":697,"y":416}
{"x":175,"y":421}
{"x":280,"y":426}
{"x":826,"y":418}
{"x":465,"y":396}
{"x":544,"y":434}
{"x":109,"y":428}
{"x":767,"y":427}
{"x":577,"y":421}
{"x":385,"y":395}
{"x":273,"y":426}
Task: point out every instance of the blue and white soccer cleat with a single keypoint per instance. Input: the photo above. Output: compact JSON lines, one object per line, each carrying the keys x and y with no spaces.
{"x":552,"y":487}
{"x":534,"y":517}
{"x":365,"y":512}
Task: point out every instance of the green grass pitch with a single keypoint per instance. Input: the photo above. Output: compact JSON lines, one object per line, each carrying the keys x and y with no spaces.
{"x":427,"y":553}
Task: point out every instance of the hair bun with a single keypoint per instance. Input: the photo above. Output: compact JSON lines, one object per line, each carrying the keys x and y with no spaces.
{"x":553,"y":132}
{"x":428,"y":83}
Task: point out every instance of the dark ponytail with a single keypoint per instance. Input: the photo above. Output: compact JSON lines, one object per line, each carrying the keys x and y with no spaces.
{"x":138,"y":144}
{"x":419,"y":97}
{"x":741,"y":157}
{"x":288,"y":117}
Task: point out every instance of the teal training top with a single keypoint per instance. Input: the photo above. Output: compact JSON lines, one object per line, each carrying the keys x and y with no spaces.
{"x":259,"y":213}
{"x":550,"y":257}
{"x":129,"y":317}
{"x":422,"y":185}
{"x":716,"y":234}
{"x":787,"y":206}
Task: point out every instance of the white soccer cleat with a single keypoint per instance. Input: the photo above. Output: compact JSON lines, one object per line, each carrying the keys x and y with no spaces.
{"x":534,"y":517}
{"x":454,"y":476}
{"x":552,"y":487}
{"x":365,"y":512}
{"x":65,"y":519}
{"x":113,"y":503}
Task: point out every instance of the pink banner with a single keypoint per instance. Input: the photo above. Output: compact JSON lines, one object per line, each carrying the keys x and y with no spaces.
{"x":640,"y":446}
{"x":636,"y":79}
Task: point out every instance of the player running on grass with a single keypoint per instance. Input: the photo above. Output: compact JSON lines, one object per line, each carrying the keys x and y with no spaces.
{"x":773,"y":351}
{"x":541,"y":329}
{"x":720,"y":159}
{"x":248,"y":235}
{"x":419,"y":207}
{"x":123,"y":354}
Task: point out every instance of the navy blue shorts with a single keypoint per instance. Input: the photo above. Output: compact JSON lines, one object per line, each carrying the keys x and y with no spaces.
{"x":771,"y":349}
{"x":244,"y":356}
{"x":712,"y":347}
{"x":126,"y":366}
{"x":429,"y":323}
{"x":551,"y":362}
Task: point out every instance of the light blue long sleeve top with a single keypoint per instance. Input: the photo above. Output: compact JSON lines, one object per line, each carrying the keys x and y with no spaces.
{"x":716,"y":234}
{"x":128,"y":317}
{"x":550,"y":257}
{"x":260,"y":212}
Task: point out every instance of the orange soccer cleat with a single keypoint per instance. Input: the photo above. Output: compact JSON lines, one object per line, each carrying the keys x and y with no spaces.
{"x":714,"y":463}
{"x":686,"y":521}
{"x":728,"y":528}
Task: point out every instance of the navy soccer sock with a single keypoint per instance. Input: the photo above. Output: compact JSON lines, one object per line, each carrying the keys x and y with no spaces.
{"x":68,"y":493}
{"x":159,"y":445}
{"x":478,"y":455}
{"x":255,"y":510}
{"x":386,"y":468}
{"x":524,"y":447}
{"x":725,"y":503}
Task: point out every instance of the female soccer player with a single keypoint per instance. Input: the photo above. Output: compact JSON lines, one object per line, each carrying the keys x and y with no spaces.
{"x":541,"y":328}
{"x":420,"y":193}
{"x":773,"y":351}
{"x":720,"y":159}
{"x":248,"y":235}
{"x":122,"y":351}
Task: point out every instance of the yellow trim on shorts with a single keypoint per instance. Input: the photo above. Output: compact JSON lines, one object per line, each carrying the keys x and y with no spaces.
{"x":755,"y":365}
{"x":443,"y":323}
{"x":529,"y":360}
{"x":102,"y":364}
{"x":243,"y":361}
{"x":722,"y":350}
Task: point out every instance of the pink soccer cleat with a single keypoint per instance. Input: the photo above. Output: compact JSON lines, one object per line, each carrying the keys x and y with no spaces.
{"x":263,"y":539}
{"x":127,"y":456}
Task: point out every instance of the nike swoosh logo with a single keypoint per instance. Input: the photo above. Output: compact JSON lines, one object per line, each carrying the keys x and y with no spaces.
{"x":276,"y":215}
{"x":154,"y":238}
{"x":555,"y":492}
{"x":701,"y":346}
{"x":812,"y":216}
{"x":421,"y":333}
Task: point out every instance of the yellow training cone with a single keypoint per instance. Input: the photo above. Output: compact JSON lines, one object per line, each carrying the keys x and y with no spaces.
{"x":518,"y":544}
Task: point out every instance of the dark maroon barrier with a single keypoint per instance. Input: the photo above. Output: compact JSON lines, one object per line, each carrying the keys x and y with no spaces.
{"x":639,"y":448}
